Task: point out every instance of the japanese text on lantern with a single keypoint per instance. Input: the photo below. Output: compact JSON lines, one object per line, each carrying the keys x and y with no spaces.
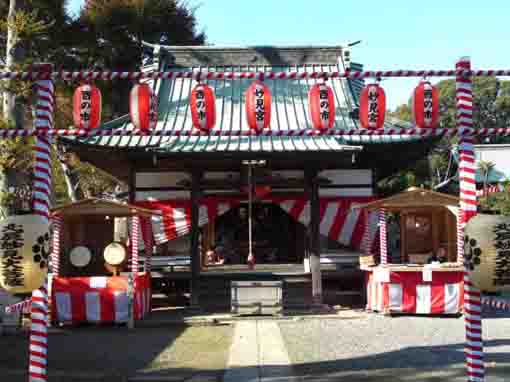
{"x":11,"y":240}
{"x":153,"y":112}
{"x":502,"y":245}
{"x":324,"y":104}
{"x":86,"y":105}
{"x":259,"y":104}
{"x":427,"y":104}
{"x":373,"y":112}
{"x":201,"y":104}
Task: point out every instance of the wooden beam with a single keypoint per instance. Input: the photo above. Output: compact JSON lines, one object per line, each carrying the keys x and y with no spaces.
{"x":195,"y":249}
{"x":313,"y":194}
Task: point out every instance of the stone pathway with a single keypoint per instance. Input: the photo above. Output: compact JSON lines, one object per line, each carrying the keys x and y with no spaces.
{"x":258,"y":354}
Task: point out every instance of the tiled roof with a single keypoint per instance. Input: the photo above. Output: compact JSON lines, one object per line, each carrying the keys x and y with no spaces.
{"x":289,"y":104}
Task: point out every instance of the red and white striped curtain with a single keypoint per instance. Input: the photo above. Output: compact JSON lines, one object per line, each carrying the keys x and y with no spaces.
{"x":491,"y":189}
{"x":337,"y":220}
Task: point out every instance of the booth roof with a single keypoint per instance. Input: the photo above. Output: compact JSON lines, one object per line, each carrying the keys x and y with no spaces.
{"x":96,"y":206}
{"x":414,"y":197}
{"x":289,"y":102}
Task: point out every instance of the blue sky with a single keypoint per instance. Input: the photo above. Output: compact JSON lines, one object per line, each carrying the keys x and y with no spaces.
{"x":395,"y":33}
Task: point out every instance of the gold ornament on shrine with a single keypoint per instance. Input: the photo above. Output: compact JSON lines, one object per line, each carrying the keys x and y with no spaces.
{"x":487,"y":252}
{"x":25,"y":248}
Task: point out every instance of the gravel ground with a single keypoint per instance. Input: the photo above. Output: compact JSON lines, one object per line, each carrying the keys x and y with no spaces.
{"x":369,"y":347}
{"x":114,"y":353}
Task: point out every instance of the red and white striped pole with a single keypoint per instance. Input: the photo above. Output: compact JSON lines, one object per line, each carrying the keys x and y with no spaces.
{"x":41,"y":202}
{"x":135,"y":232}
{"x":472,"y":296}
{"x":383,"y":237}
{"x":38,"y":343}
{"x":460,"y":238}
{"x":55,"y":254}
{"x":149,"y":245}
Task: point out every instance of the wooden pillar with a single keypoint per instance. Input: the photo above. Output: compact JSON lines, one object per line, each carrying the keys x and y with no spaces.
{"x":195,"y":247}
{"x":313,"y":195}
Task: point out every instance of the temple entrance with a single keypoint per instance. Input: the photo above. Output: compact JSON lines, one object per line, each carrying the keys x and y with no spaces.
{"x":277,"y":237}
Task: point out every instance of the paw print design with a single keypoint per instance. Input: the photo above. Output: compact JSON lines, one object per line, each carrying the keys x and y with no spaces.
{"x":472,"y":253}
{"x":42,"y":250}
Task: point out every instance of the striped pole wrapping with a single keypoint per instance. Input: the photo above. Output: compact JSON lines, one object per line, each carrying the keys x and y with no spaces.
{"x":472,"y":296}
{"x":149,"y":244}
{"x":413,"y":132}
{"x":42,"y":171}
{"x":383,"y":237}
{"x":203,"y":75}
{"x":41,"y":201}
{"x":55,"y":254}
{"x":135,"y":232}
{"x":460,"y":238}
{"x":38,"y":343}
{"x":399,"y":132}
{"x":22,"y":306}
{"x":496,"y":304}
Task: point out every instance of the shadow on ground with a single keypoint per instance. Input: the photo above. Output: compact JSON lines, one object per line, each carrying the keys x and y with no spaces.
{"x":114,"y":353}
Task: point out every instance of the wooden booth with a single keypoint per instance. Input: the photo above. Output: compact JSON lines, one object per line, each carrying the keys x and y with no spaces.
{"x":420,"y":274}
{"x":92,"y":276}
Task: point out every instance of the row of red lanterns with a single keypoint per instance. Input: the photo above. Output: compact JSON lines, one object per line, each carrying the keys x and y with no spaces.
{"x":87,"y":104}
{"x":321,"y":103}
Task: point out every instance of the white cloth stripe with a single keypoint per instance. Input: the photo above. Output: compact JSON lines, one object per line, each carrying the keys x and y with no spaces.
{"x":348,"y":228}
{"x":395,"y":297}
{"x":121,"y":307}
{"x":179,"y":216}
{"x":423,"y":299}
{"x":92,"y":307}
{"x":329,"y":217}
{"x":63,"y":301}
{"x":451,"y":298}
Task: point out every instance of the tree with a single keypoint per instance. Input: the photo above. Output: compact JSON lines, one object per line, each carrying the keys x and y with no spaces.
{"x":116,"y":29}
{"x":485,"y":168}
{"x":108,"y":34}
{"x":491,"y":109}
{"x":26,"y":27}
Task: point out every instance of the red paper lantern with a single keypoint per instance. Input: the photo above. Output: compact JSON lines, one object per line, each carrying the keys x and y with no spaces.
{"x":203,"y":107}
{"x":143,"y":107}
{"x":321,"y":102}
{"x":372,"y":107}
{"x":258,"y":106}
{"x":87,"y":107}
{"x":426,"y":105}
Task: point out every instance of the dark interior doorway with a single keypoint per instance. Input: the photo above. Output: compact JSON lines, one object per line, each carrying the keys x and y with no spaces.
{"x":277,"y":237}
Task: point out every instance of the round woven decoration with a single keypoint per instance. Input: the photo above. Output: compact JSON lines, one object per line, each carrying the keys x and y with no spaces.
{"x":115,"y":253}
{"x":80,"y":256}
